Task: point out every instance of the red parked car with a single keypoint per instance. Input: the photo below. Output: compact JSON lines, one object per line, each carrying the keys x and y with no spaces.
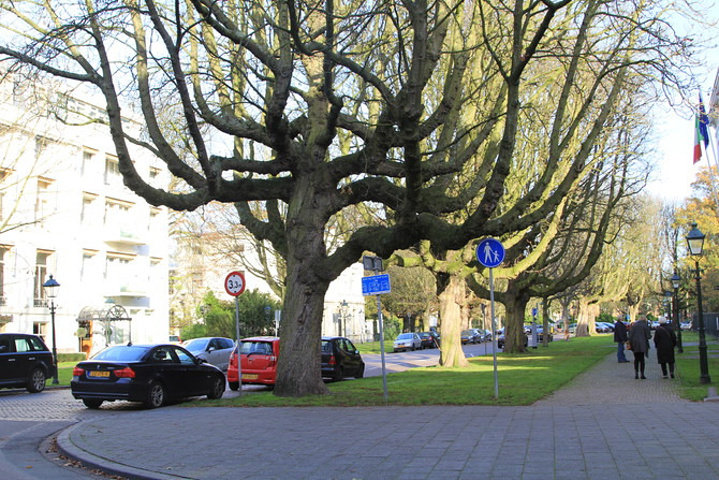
{"x":259,"y":362}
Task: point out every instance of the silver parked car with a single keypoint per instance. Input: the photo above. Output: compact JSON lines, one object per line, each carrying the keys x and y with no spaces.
{"x":214,"y":350}
{"x":407,"y":341}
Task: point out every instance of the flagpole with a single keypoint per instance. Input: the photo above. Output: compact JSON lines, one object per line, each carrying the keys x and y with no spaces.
{"x":701,"y":118}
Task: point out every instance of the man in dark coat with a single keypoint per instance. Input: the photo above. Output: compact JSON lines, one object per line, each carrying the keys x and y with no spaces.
{"x":639,"y":335}
{"x":665,"y":340}
{"x":620,"y":336}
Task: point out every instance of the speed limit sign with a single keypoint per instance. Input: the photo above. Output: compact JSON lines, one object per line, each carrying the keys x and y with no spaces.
{"x":235,"y":283}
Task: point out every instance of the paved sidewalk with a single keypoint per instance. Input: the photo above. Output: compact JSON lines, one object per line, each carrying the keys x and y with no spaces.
{"x":603,"y":425}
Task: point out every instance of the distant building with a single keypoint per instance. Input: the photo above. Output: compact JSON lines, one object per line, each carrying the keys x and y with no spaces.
{"x":198,"y":266}
{"x":64,"y":211}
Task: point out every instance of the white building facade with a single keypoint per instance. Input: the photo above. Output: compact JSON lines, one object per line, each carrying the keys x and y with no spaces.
{"x":65,"y":212}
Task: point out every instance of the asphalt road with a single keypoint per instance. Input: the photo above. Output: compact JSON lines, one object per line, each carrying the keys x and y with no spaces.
{"x":29,"y":422}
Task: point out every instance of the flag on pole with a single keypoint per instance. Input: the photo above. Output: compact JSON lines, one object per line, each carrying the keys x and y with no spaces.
{"x":701,"y":132}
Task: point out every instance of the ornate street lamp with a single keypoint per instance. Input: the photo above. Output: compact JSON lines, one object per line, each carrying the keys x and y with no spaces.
{"x":695,"y":240}
{"x":344,"y":311}
{"x":676,"y":280}
{"x":51,"y":289}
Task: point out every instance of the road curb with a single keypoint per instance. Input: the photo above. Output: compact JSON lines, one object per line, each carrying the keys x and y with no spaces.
{"x":88,"y":459}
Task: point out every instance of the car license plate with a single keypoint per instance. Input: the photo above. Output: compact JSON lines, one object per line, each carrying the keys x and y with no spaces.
{"x":249,"y":376}
{"x":98,"y":374}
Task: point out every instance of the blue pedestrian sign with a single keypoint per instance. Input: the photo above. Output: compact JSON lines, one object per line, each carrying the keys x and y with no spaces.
{"x":490,"y":252}
{"x":375,"y":284}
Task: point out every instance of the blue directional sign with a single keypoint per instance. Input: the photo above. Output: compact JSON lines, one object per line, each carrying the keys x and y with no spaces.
{"x":375,"y":284}
{"x":490,"y":252}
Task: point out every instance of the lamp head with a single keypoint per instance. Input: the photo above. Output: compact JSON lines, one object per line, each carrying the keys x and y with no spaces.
{"x":676,"y":279}
{"x":51,"y":287}
{"x":695,"y":240}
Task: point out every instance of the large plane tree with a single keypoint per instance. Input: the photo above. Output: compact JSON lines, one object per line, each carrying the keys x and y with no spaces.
{"x":295,"y":111}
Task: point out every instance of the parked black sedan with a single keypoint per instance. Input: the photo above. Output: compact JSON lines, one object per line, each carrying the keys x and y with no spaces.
{"x":340,"y":359}
{"x":151,"y":374}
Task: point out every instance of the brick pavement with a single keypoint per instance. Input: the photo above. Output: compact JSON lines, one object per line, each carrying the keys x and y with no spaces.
{"x":604,"y":424}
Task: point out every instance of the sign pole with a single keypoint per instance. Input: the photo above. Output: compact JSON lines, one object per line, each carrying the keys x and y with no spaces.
{"x":235,"y":285}
{"x":237,"y":332}
{"x":381,"y":346}
{"x":494,"y":333}
{"x":490,"y":253}
{"x":377,"y":285}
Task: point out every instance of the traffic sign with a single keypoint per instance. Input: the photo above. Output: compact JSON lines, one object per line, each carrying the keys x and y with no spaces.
{"x":490,"y":252}
{"x":375,"y":284}
{"x":235,"y":283}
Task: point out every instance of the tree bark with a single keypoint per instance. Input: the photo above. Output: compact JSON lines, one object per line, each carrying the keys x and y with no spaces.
{"x":451,"y":300}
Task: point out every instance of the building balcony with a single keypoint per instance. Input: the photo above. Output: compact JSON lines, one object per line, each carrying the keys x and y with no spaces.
{"x":125,"y":236}
{"x":128,"y":288}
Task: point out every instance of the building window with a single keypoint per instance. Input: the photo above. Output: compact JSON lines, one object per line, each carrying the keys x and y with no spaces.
{"x":112,"y":172}
{"x":88,"y":214}
{"x":118,"y":214}
{"x":42,"y":209}
{"x":87,"y":270}
{"x":86,"y":162}
{"x":41,"y":263}
{"x":40,"y":329}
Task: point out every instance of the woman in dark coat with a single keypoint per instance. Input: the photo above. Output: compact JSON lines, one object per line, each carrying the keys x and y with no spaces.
{"x":665,"y":340}
{"x":639,"y":335}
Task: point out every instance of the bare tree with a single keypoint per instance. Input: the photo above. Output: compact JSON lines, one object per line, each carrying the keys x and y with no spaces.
{"x":312,"y":108}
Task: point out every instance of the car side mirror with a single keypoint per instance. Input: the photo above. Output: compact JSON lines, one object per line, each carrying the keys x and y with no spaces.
{"x":201,"y":360}
{"x":211,"y":349}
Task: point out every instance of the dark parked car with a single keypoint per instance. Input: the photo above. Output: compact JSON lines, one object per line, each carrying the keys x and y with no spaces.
{"x":428,"y":340}
{"x":215,"y":350}
{"x":259,"y":362}
{"x":25,"y":361}
{"x":151,"y":374}
{"x":341,"y":359}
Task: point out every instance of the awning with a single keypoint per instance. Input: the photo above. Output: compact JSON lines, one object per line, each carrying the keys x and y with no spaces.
{"x":108,"y":312}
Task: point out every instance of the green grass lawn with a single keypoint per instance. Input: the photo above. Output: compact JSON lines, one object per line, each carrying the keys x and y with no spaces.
{"x":687,"y":365}
{"x":64,"y":373}
{"x":523,"y":379}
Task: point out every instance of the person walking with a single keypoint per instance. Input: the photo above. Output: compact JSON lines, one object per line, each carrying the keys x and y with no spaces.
{"x":620,"y":336}
{"x":639,"y":335}
{"x":665,"y":340}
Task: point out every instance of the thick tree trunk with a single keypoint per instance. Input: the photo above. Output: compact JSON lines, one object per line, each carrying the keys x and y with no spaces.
{"x":586,"y":319}
{"x":298,"y":369}
{"x":516,"y":305}
{"x":450,"y":302}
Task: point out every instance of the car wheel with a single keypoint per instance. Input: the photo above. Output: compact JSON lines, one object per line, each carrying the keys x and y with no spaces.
{"x":92,"y":403}
{"x":413,"y":349}
{"x":217,"y":388}
{"x":36,"y":380}
{"x":360,"y":372}
{"x":234,"y":386}
{"x":155,"y":395}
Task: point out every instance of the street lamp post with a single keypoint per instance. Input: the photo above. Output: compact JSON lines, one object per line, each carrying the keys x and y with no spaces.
{"x":695,"y":239}
{"x":676,"y":279}
{"x":51,"y":287}
{"x":344,"y":308}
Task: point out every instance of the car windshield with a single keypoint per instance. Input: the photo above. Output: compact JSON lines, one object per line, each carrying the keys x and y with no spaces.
{"x":121,"y":354}
{"x":404,"y":336}
{"x":261,"y":348}
{"x":196,"y":344}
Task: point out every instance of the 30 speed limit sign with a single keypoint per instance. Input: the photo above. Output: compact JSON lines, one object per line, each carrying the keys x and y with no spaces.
{"x":235,"y":283}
